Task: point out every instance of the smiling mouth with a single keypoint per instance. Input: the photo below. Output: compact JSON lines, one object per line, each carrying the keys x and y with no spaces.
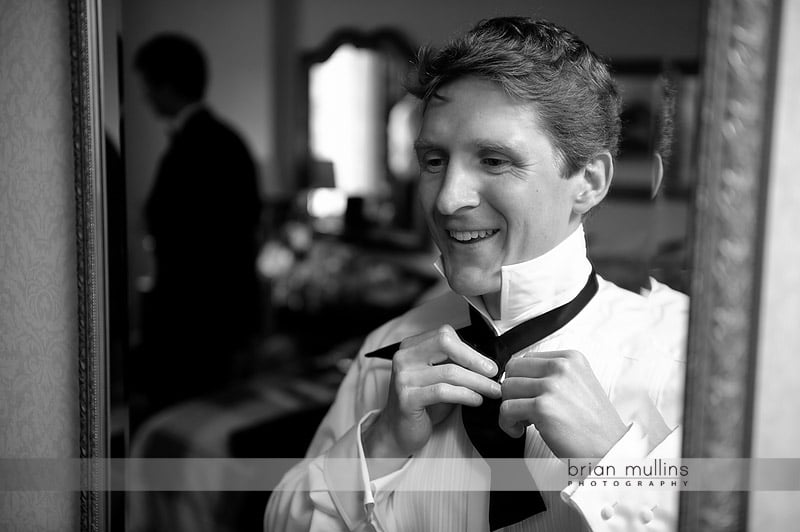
{"x":468,"y":237}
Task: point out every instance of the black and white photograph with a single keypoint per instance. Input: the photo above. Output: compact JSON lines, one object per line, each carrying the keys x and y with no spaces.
{"x":399,"y":265}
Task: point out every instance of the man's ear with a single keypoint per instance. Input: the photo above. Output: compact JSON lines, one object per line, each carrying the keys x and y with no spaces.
{"x":656,"y":175}
{"x":594,"y":180}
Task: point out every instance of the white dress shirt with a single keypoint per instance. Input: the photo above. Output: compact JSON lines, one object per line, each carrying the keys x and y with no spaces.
{"x":635,"y":345}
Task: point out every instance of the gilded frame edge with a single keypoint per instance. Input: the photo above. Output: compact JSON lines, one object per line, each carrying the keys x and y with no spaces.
{"x":88,"y":156}
{"x":738,"y":81}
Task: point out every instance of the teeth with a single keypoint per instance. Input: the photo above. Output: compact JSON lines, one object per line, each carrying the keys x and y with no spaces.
{"x":466,"y":236}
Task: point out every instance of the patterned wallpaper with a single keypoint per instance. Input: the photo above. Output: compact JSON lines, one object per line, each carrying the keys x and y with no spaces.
{"x":38,"y":296}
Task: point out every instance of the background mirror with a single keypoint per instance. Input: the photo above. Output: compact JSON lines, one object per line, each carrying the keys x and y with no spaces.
{"x":334,"y":242}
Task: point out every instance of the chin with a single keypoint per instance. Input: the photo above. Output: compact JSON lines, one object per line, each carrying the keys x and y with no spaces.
{"x":473,"y":284}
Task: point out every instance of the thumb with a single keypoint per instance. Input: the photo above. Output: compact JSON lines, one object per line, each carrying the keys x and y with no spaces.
{"x":515,"y":429}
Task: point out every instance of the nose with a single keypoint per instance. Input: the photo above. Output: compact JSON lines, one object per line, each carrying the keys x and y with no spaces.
{"x":458,"y":190}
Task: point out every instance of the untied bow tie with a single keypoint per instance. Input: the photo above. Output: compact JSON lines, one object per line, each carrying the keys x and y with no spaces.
{"x":481,"y":423}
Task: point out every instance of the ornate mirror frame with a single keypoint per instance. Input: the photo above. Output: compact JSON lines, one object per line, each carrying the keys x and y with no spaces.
{"x":728,"y":224}
{"x":729,"y":216}
{"x":86,"y":66}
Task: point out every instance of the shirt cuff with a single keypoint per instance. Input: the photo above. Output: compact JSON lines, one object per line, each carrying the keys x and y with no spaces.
{"x":347,"y":477}
{"x":380,"y":486}
{"x":606,"y":505}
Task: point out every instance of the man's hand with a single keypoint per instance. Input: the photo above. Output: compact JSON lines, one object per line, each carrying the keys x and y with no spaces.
{"x":558,"y":393}
{"x":431,"y":373}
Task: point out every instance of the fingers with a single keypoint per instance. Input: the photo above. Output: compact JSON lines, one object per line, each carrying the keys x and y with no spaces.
{"x":438,"y":368}
{"x":515,"y":416}
{"x":457,"y":376}
{"x":440,"y":345}
{"x":523,"y":387}
{"x":443,"y":392}
{"x":531,"y":367}
{"x":530,"y":380}
{"x":544,"y":364}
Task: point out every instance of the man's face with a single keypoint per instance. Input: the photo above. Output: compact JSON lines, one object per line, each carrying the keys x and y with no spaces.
{"x":491,"y":184}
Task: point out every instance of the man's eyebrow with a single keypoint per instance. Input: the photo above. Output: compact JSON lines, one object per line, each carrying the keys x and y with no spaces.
{"x":423,"y":144}
{"x":492,"y":145}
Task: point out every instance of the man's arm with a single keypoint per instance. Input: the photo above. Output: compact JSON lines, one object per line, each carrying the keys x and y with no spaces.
{"x":606,"y":506}
{"x":303,"y":500}
{"x":335,"y":489}
{"x":654,"y":433}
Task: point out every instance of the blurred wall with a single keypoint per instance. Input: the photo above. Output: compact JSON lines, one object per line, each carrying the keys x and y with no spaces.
{"x":616,"y":28}
{"x":38,"y":292}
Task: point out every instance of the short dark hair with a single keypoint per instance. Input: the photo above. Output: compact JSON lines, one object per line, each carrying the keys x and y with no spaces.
{"x":665,"y":121}
{"x":176,"y":61}
{"x":537,"y":61}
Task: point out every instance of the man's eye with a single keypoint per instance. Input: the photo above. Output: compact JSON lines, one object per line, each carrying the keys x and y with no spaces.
{"x":433,"y":164}
{"x":494,"y":162}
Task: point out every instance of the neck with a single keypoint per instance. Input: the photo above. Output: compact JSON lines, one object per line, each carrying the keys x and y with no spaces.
{"x":534,"y":287}
{"x":179,"y":119}
{"x":492,"y":304}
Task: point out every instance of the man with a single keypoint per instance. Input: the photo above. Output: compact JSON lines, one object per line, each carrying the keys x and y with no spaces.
{"x":202,"y":214}
{"x":520,"y":126}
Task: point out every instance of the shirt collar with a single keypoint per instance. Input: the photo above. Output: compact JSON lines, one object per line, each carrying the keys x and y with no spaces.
{"x":531,"y":288}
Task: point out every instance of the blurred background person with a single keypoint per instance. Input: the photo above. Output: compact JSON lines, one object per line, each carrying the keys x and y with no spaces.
{"x":202,"y":215}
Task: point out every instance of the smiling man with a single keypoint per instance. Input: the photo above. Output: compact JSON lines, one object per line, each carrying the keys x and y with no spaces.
{"x":493,"y":187}
{"x":532,"y":354}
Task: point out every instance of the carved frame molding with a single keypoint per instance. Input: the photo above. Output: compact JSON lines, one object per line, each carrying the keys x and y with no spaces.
{"x":88,"y":156}
{"x":729,"y":221}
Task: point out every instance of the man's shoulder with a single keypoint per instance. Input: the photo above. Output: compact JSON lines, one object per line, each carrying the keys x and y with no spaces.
{"x":665,"y":300}
{"x":660,"y":301}
{"x":448,"y":308}
{"x":204,"y":126}
{"x":659,"y":315}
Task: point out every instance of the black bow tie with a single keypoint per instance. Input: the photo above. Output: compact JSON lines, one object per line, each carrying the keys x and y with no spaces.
{"x":481,"y":423}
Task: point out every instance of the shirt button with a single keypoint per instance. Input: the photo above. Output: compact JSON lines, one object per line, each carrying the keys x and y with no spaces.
{"x":607,"y":512}
{"x":646,"y":515}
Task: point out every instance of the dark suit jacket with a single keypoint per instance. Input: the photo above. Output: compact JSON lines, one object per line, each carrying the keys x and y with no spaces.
{"x":202,"y":212}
